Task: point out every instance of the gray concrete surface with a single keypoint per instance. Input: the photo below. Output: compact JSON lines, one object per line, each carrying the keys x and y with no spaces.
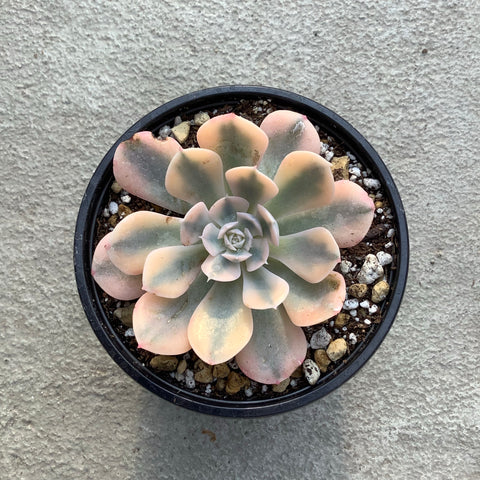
{"x":75,"y":75}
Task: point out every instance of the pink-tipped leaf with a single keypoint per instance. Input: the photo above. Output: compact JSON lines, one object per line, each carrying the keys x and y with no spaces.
{"x":193,"y":223}
{"x":249,"y":183}
{"x":137,"y":235}
{"x":276,"y":349}
{"x":311,"y":303}
{"x":221,"y":325}
{"x":169,"y":271}
{"x":348,"y":217}
{"x":220,"y":269}
{"x":196,"y":175}
{"x":161,"y":324}
{"x":237,"y":141}
{"x":140,"y":165}
{"x":263,"y":289}
{"x":287,"y":132}
{"x":305,"y":181}
{"x":311,"y":254}
{"x":113,"y":281}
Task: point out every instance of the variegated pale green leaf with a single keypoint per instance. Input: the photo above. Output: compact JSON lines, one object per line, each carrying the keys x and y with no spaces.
{"x":112,"y":280}
{"x":249,"y":183}
{"x":276,"y":349}
{"x":140,"y":165}
{"x":287,"y":132}
{"x":311,"y":303}
{"x":305,"y":181}
{"x":348,"y":217}
{"x":311,"y":254}
{"x":193,"y":223}
{"x":269,"y":225}
{"x":225,"y":210}
{"x":220,"y":269}
{"x":259,"y":251}
{"x":169,"y":271}
{"x":160,"y":324}
{"x":263,"y":289}
{"x":237,"y":141}
{"x":221,"y":325}
{"x":196,"y":175}
{"x":137,"y":235}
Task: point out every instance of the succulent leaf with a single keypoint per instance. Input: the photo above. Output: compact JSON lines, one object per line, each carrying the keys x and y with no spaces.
{"x":169,"y":271}
{"x":311,"y":303}
{"x":220,"y":269}
{"x":140,"y":165}
{"x":221,"y":325}
{"x":311,"y":254}
{"x":247,"y":220}
{"x":112,"y":280}
{"x":193,"y":223}
{"x":305,"y":181}
{"x":249,"y":183}
{"x":160,"y":324}
{"x":225,"y":210}
{"x":213,"y":245}
{"x":277,"y":347}
{"x":237,"y":141}
{"x":137,"y":235}
{"x":269,"y":225}
{"x":287,"y":132}
{"x":263,"y":289}
{"x":348,"y":217}
{"x":259,"y":251}
{"x":196,"y":175}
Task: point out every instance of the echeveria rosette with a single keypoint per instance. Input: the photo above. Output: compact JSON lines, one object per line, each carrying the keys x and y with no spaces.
{"x":251,"y":261}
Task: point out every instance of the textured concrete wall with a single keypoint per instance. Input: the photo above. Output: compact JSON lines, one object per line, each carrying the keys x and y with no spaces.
{"x":75,"y":75}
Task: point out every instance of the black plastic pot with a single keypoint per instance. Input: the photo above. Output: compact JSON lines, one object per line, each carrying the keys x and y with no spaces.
{"x":95,"y":197}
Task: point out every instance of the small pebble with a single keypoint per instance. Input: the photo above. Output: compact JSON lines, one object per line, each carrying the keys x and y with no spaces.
{"x":204,"y":375}
{"x":293,"y":383}
{"x":350,"y":304}
{"x":353,"y":313}
{"x":353,"y":338}
{"x":345,"y":266}
{"x":311,"y":371}
{"x":181,"y":131}
{"x":391,"y":233}
{"x":208,"y":390}
{"x":320,"y":339}
{"x":164,"y":132}
{"x":221,"y":370}
{"x":389,"y":245}
{"x":373,"y":309}
{"x":182,"y":366}
{"x":189,"y":382}
{"x":341,"y":320}
{"x":248,"y":392}
{"x":164,"y":363}
{"x":125,"y":314}
{"x":367,"y":321}
{"x":106,"y":212}
{"x":329,"y":155}
{"x":371,"y":270}
{"x":126,"y":198}
{"x":337,"y":349}
{"x":358,"y":290}
{"x":177,"y":121}
{"x":200,"y":118}
{"x":339,"y":167}
{"x":113,"y":207}
{"x":380,"y":291}
{"x":116,"y":188}
{"x":235,"y":382}
{"x":282,"y":386}
{"x":365,"y":304}
{"x":372,"y":183}
{"x":384,"y":258}
{"x":322,"y":360}
{"x":129,"y":332}
{"x":355,"y":171}
{"x":264,"y":389}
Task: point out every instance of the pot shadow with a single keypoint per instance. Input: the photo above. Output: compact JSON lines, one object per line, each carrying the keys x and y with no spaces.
{"x":173,"y":442}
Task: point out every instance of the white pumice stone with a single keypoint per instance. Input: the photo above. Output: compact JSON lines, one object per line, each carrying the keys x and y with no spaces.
{"x":345,"y":266}
{"x":329,"y":155}
{"x":350,"y":304}
{"x":365,"y":304}
{"x":391,"y":233}
{"x":384,"y":258}
{"x":106,"y":212}
{"x":355,"y":171}
{"x":113,"y":207}
{"x":373,"y":309}
{"x":372,"y":183}
{"x":129,"y":332}
{"x":353,"y":338}
{"x":311,"y":371}
{"x":126,"y":198}
{"x":371,"y":270}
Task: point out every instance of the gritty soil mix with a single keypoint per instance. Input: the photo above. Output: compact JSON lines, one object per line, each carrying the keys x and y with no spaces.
{"x":331,"y":343}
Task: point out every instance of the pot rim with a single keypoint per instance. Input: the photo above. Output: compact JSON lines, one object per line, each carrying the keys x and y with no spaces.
{"x":209,"y":98}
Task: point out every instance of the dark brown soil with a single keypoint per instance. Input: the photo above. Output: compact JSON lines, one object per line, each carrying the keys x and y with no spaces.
{"x":374,"y":242}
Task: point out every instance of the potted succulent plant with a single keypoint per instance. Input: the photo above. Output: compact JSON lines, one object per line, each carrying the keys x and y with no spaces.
{"x":235,"y":271}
